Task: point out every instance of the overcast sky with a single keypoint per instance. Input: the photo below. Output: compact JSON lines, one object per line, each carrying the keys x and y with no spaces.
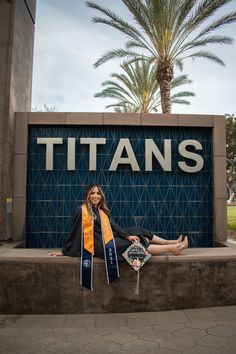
{"x":67,"y":44}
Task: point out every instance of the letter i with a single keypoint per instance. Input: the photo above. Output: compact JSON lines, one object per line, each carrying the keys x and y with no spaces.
{"x":71,"y":154}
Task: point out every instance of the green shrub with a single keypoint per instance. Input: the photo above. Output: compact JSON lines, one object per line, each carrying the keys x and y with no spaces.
{"x":231,"y":218}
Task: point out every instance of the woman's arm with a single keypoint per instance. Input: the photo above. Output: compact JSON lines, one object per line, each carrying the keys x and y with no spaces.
{"x":119,"y":231}
{"x":55,"y":253}
{"x":133,"y":238}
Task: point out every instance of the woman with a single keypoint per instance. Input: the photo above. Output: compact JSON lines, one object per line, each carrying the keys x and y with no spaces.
{"x":94,"y":233}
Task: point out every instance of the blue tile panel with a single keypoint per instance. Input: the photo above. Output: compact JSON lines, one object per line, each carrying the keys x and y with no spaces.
{"x":168,"y":203}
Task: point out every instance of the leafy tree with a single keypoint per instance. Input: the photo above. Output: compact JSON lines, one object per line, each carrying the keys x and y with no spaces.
{"x":167,"y":32}
{"x":231,"y":155}
{"x":136,"y":89}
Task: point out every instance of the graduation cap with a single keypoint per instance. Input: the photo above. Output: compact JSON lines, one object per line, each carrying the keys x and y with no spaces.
{"x":136,"y":255}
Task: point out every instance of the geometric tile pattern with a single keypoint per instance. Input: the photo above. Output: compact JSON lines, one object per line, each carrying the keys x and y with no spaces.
{"x":206,"y":331}
{"x":167,"y":203}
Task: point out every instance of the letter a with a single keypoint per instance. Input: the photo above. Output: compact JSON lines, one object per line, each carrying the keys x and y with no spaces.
{"x":130,"y":159}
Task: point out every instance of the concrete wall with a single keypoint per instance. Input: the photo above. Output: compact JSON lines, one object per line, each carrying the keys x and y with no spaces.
{"x":51,"y":285}
{"x":16,"y":59}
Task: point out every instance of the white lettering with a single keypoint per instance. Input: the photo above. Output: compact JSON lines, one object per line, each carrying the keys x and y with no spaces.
{"x":93,"y":142}
{"x":129,"y":160}
{"x":190,"y":155}
{"x":71,"y":154}
{"x":124,"y":148}
{"x":152,"y":149}
{"x":49,"y":142}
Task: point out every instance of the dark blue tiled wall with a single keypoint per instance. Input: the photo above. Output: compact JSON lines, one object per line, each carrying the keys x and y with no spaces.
{"x":168,"y":203}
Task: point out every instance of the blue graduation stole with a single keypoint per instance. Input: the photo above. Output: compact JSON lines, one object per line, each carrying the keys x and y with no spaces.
{"x":87,"y":249}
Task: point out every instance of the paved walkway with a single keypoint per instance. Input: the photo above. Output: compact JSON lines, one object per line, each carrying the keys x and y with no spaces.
{"x":195,"y":331}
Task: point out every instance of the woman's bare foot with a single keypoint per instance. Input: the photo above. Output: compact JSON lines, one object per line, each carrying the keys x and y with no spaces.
{"x":180,"y":239}
{"x":181,"y":246}
{"x":186,"y":241}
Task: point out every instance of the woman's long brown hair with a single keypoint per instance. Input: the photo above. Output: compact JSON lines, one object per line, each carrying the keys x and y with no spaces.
{"x":102,"y":205}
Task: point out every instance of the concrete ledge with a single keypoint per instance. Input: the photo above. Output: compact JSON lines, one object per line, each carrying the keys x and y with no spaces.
{"x":33,"y":282}
{"x":47,"y":118}
{"x":84,"y":118}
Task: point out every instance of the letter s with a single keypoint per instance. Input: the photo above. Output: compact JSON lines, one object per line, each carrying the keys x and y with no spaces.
{"x":190,"y":155}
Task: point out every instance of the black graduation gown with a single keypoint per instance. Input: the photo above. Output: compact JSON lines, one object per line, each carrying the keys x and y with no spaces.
{"x":72,"y":245}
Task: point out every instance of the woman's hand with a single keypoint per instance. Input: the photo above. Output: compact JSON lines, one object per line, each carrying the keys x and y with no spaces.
{"x":55,"y":253}
{"x":133,"y":238}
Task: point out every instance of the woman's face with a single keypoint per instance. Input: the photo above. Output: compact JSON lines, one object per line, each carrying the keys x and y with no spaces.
{"x":95,"y":196}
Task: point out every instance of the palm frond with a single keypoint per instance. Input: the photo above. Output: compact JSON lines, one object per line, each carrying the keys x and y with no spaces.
{"x":183,"y":94}
{"x":117,"y":22}
{"x":205,"y":10}
{"x":139,"y":58}
{"x":164,"y":33}
{"x":184,"y":10}
{"x":115,"y":54}
{"x":203,"y":42}
{"x":121,"y":105}
{"x":208,"y":40}
{"x":179,"y":63}
{"x":139,"y":44}
{"x":137,"y":85}
{"x":180,"y":101}
{"x":180,"y":80}
{"x":223,"y":21}
{"x":141,"y":13}
{"x":206,"y":55}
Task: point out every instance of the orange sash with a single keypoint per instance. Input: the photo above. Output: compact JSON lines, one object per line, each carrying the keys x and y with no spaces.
{"x":88,"y":236}
{"x":88,"y":233}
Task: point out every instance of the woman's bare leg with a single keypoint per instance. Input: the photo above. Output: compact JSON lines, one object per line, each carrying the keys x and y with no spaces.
{"x":171,"y":248}
{"x":157,"y":240}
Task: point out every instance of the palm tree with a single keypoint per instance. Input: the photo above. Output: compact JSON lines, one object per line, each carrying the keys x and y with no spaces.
{"x":168,"y":32}
{"x":137,"y":90}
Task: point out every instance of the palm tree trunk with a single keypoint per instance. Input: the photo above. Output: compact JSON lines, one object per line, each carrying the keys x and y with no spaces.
{"x":164,"y":77}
